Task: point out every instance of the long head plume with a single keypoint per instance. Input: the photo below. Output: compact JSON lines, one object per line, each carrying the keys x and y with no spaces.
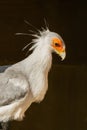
{"x":36,"y":33}
{"x":53,"y":40}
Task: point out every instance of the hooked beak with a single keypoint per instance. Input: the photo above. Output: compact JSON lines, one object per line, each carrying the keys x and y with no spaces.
{"x":62,"y":55}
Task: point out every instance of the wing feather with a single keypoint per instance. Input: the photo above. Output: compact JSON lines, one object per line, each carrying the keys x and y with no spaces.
{"x":13,"y":86}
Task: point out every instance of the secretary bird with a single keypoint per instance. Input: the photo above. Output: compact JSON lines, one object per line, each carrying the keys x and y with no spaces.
{"x":26,"y":82}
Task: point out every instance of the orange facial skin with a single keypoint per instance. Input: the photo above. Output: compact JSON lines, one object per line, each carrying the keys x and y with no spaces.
{"x":57,"y":45}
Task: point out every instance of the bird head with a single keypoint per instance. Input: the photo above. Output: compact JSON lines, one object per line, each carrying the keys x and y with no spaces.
{"x":53,"y":40}
{"x":59,"y":47}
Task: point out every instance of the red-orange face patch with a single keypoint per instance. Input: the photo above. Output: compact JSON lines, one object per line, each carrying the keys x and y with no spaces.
{"x":57,"y":44}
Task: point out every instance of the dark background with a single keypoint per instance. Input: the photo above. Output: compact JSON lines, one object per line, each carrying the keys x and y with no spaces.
{"x":68,"y":18}
{"x":65,"y":105}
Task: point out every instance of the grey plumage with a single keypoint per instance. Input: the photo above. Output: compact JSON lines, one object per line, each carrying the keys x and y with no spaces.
{"x":4,"y":125}
{"x":8,"y":91}
{"x":3,"y":68}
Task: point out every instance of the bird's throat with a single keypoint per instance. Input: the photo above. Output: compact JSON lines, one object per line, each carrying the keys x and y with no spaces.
{"x":40,"y":59}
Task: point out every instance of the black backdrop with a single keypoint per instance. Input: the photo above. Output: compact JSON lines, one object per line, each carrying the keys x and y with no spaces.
{"x":65,"y":105}
{"x":68,"y":18}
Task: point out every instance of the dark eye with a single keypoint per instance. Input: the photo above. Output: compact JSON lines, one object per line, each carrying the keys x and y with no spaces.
{"x":57,"y":44}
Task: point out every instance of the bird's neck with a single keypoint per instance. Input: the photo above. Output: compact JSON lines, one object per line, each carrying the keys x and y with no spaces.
{"x":41,"y":58}
{"x":36,"y":67}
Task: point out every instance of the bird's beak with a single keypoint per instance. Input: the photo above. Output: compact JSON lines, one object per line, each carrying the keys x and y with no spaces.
{"x":62,"y":55}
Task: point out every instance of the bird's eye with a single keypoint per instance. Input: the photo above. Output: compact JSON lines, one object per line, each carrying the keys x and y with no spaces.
{"x":57,"y":45}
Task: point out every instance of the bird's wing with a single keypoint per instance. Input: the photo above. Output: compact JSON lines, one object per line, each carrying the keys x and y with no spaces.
{"x":13,"y":86}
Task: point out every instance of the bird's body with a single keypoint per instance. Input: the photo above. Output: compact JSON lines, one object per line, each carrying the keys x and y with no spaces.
{"x":21,"y":73}
{"x":27,"y":81}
